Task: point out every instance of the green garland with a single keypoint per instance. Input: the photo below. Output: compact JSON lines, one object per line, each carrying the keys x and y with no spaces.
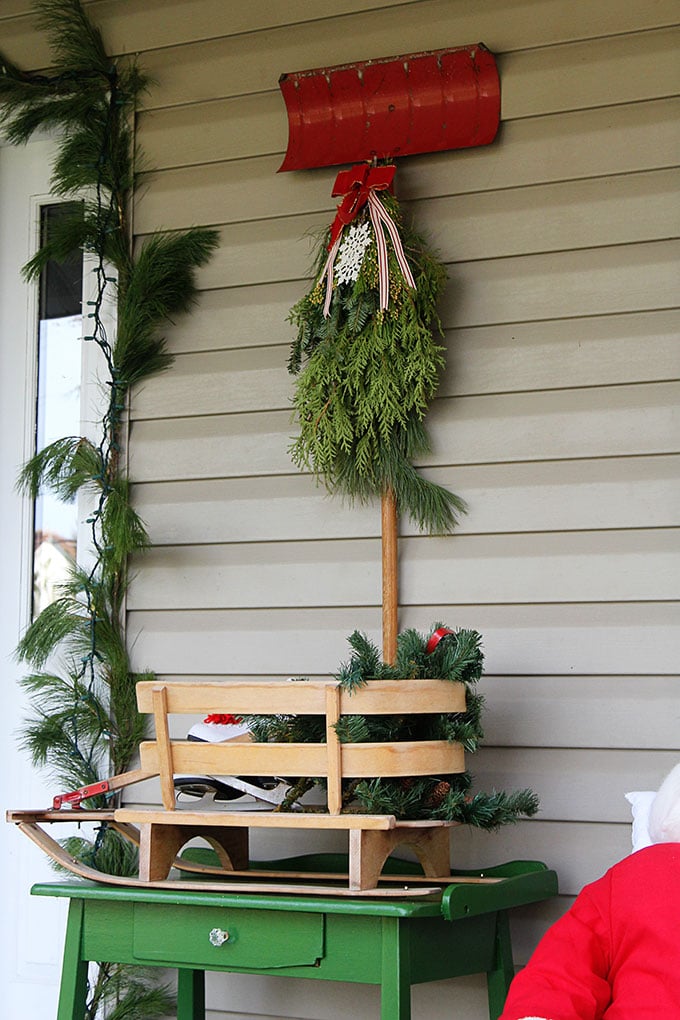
{"x":87,"y":719}
{"x":365,"y":378}
{"x":85,"y":722}
{"x":457,"y":657}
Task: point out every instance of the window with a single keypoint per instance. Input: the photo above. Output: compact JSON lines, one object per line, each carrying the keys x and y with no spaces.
{"x":58,"y":414}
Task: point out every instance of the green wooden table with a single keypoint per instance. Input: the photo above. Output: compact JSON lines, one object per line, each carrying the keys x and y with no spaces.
{"x":393,"y":943}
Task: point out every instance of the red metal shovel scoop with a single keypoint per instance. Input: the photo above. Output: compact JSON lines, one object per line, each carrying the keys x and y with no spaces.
{"x":394,"y":106}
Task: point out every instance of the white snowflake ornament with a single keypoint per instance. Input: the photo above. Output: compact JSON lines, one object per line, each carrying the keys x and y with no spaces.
{"x":351,"y":253}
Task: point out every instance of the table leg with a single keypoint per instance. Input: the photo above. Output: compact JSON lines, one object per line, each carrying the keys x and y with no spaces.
{"x":73,"y":989}
{"x":395,"y":988}
{"x":498,"y":980}
{"x":190,"y":994}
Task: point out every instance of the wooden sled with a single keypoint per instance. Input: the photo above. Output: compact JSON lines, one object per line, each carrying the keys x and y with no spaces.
{"x":161,"y":833}
{"x":249,"y":879}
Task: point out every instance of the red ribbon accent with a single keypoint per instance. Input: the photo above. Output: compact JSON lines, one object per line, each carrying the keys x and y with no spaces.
{"x":435,"y":638}
{"x":355,"y":184}
{"x":223,"y":719}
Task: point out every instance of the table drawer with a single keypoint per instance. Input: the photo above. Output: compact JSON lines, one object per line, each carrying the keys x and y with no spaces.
{"x":216,"y":937}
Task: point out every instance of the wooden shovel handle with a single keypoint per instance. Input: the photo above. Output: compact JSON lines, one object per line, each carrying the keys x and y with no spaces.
{"x":390,"y":574}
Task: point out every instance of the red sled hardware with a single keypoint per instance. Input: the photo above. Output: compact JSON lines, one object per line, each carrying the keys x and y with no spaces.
{"x":75,"y":797}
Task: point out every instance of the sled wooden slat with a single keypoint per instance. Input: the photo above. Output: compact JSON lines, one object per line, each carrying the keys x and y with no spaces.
{"x":410,"y":758}
{"x":265,"y":819}
{"x":334,"y":753}
{"x":305,"y":697}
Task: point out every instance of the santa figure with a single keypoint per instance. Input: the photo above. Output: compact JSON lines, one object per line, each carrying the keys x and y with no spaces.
{"x":616,"y":954}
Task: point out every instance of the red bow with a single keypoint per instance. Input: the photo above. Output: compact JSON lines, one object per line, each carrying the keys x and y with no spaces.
{"x":355,"y":184}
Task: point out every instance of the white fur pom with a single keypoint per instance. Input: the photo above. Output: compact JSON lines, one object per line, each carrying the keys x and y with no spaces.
{"x":664,"y":816}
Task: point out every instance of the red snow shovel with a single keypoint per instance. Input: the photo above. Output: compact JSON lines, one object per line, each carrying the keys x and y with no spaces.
{"x":380,"y":109}
{"x":395,"y":106}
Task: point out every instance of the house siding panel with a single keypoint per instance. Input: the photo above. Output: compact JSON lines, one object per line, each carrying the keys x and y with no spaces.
{"x":556,"y":418}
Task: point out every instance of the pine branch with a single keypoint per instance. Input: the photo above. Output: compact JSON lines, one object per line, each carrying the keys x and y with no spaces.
{"x":489,"y":810}
{"x":161,"y":284}
{"x":74,"y":41}
{"x":63,"y":620}
{"x":64,"y":466}
{"x":364,"y":380}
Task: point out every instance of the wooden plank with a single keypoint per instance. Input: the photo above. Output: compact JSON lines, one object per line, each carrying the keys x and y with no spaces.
{"x":390,"y":575}
{"x":201,"y":447}
{"x":154,"y":24}
{"x":529,"y":924}
{"x":639,"y":713}
{"x":575,"y":784}
{"x":580,"y":566}
{"x":521,"y":356}
{"x":140,"y":19}
{"x":627,"y":68}
{"x":596,"y":72}
{"x":263,"y":873}
{"x":636,"y":713}
{"x":334,"y":754}
{"x":240,"y":127}
{"x":261,"y":819}
{"x":239,"y":698}
{"x":15,"y":8}
{"x":532,"y":288}
{"x":239,"y":380}
{"x":574,"y":567}
{"x":406,"y":758}
{"x":68,"y":815}
{"x":166,"y":768}
{"x":559,"y":146}
{"x":239,"y":759}
{"x":611,"y":421}
{"x":254,"y":315}
{"x":553,"y":147}
{"x":517,"y":221}
{"x":587,"y":147}
{"x":619,"y":492}
{"x":621,"y":209}
{"x":360,"y":761}
{"x":563,"y":284}
{"x":580,"y":852}
{"x":540,"y":640}
{"x":304,"y":698}
{"x":269,"y":251}
{"x":568,"y":353}
{"x":599,"y":422}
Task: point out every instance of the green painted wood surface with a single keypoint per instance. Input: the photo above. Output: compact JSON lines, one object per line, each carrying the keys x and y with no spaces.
{"x":391,"y":943}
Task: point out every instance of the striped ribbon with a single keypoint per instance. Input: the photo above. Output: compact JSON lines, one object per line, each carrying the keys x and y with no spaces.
{"x":379,"y":216}
{"x":327,"y":272}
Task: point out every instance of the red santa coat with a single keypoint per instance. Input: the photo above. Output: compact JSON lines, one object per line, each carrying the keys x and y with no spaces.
{"x":616,"y":954}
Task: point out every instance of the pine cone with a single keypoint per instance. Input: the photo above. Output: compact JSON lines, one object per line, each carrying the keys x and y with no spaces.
{"x":438,"y":794}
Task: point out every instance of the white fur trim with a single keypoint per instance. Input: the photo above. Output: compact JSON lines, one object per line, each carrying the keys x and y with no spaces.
{"x":664,"y":815}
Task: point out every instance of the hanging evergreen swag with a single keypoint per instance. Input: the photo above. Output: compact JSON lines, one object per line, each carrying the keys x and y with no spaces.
{"x":365,"y":358}
{"x":85,"y":723}
{"x":458,"y":657}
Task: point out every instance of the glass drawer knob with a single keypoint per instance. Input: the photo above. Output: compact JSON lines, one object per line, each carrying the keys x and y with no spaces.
{"x":218,"y":937}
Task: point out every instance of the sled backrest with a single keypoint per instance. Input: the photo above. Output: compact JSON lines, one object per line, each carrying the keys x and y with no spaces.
{"x":331,"y":760}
